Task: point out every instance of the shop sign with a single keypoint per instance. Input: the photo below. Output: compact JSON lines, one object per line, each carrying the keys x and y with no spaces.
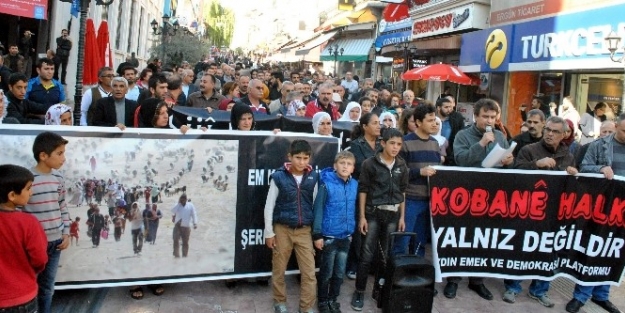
{"x":564,"y":42}
{"x":444,"y":22}
{"x":27,"y":8}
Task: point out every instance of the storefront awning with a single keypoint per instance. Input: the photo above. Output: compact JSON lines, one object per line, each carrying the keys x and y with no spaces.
{"x":354,"y":50}
{"x":314,"y":43}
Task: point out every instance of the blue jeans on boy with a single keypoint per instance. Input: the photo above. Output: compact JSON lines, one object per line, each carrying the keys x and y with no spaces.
{"x":417,"y":220}
{"x":46,"y":279}
{"x":332,"y":268}
{"x":538,"y":288}
{"x":599,"y":293}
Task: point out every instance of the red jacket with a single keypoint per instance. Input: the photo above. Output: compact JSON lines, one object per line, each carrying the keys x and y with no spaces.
{"x":23,"y":246}
{"x":313,"y":107}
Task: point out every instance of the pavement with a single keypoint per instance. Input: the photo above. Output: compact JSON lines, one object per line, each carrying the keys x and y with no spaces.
{"x":250,"y":297}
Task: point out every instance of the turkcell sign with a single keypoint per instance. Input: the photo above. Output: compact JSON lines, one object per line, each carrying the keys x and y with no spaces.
{"x":391,"y":33}
{"x":564,"y":42}
{"x":569,"y":41}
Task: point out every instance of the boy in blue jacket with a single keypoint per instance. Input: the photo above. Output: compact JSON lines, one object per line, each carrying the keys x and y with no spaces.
{"x":334,"y":222}
{"x":288,"y":221}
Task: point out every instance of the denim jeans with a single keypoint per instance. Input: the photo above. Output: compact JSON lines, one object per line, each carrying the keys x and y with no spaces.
{"x":332,"y":268}
{"x":417,"y":219}
{"x":46,"y":279}
{"x":137,"y":240}
{"x":381,"y":223}
{"x":599,"y":293}
{"x":537,"y":288}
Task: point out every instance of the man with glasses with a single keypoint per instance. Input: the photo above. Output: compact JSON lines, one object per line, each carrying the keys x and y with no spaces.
{"x":254,"y":98}
{"x":275,"y":105}
{"x":91,"y":96}
{"x":548,"y":154}
{"x":535,"y":124}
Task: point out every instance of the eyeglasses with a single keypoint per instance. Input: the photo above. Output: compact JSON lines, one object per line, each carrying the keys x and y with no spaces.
{"x":555,"y":131}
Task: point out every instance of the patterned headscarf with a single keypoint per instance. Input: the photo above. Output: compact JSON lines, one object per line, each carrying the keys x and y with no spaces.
{"x":53,"y":116}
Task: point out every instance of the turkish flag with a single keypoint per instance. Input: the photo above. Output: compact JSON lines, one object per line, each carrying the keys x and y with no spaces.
{"x":396,"y":12}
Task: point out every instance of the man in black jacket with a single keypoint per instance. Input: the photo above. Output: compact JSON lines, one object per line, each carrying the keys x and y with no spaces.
{"x":535,"y":123}
{"x":115,"y":110}
{"x":19,"y":107}
{"x":452,"y":123}
{"x":63,"y":46}
{"x":5,"y":73}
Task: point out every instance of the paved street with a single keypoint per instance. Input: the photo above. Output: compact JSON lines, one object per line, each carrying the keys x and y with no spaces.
{"x":214,"y":297}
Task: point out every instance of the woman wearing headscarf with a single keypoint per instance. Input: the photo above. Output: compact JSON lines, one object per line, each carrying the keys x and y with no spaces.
{"x":322,"y":124}
{"x":59,"y":114}
{"x":387,"y":119}
{"x":352,"y":113}
{"x":569,"y":138}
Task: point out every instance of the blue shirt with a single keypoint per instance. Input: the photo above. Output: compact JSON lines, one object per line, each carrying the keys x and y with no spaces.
{"x":446,"y":129}
{"x":36,"y":92}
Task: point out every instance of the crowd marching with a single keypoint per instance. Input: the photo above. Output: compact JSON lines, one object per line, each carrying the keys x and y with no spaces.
{"x":378,"y":183}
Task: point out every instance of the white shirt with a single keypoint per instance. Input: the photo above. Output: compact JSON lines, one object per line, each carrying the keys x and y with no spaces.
{"x":185,"y":213}
{"x":86,"y":103}
{"x":185,"y":90}
{"x":351,"y":86}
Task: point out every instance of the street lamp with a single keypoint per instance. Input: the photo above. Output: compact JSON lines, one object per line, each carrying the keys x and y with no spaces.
{"x":407,"y":48}
{"x":84,"y":10}
{"x":335,"y":51}
{"x":165,"y":30}
{"x":613,"y":41}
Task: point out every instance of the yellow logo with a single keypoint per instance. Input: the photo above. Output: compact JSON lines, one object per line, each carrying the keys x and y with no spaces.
{"x":496,"y":48}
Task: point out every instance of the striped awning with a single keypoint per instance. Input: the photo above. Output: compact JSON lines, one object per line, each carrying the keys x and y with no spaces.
{"x":315,"y":42}
{"x":354,"y":50}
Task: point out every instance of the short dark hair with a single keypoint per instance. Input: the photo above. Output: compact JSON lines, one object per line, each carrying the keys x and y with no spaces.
{"x":16,"y":77}
{"x":388,"y":133}
{"x":363,"y":99}
{"x":538,"y":112}
{"x":487,"y":105}
{"x":47,"y":142}
{"x":13,"y":178}
{"x":278,"y":75}
{"x":441,"y":101}
{"x":145,"y":72}
{"x":126,"y":68}
{"x":41,"y":61}
{"x":421,"y":110}
{"x":156,"y":79}
{"x":300,"y":146}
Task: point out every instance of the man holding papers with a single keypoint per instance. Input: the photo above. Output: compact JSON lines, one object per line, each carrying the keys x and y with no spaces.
{"x":471,"y":147}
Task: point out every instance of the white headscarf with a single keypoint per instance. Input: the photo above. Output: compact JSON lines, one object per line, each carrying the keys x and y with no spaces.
{"x":349,"y":107}
{"x":440,"y":138}
{"x":383,"y":115}
{"x":317,"y":118}
{"x":53,"y":116}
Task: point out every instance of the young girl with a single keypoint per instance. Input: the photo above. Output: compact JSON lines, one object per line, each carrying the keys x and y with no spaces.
{"x":383,"y":180}
{"x":365,"y":105}
{"x":74,"y":230}
{"x":352,"y":113}
{"x":387,"y":119}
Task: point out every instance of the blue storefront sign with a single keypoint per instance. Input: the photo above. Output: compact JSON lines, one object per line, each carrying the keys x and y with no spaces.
{"x":569,"y":41}
{"x":391,"y":33}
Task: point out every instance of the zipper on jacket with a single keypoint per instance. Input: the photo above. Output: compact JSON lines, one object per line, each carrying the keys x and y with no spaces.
{"x":299,"y":204}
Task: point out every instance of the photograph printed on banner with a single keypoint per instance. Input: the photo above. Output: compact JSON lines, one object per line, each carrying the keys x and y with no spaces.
{"x":111,"y":174}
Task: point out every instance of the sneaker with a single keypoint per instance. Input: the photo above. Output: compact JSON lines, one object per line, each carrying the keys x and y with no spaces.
{"x":544,"y":300}
{"x":335,"y":307}
{"x":280,"y":308}
{"x":351,"y":275}
{"x":358,"y":300}
{"x":509,"y":296}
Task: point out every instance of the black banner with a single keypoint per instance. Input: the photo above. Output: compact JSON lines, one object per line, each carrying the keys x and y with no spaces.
{"x":225,"y":174}
{"x":528,"y":224}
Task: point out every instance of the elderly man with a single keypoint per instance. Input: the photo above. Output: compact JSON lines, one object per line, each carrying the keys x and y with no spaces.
{"x":548,"y":154}
{"x":275,"y":105}
{"x":206,"y":97}
{"x":535,"y":124}
{"x":408,"y":99}
{"x":471,"y":147}
{"x":115,"y":110}
{"x":323,"y":103}
{"x":299,"y":87}
{"x":254,"y":98}
{"x":92,"y":95}
{"x":607,"y":128}
{"x":187,"y":83}
{"x":604,"y":156}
